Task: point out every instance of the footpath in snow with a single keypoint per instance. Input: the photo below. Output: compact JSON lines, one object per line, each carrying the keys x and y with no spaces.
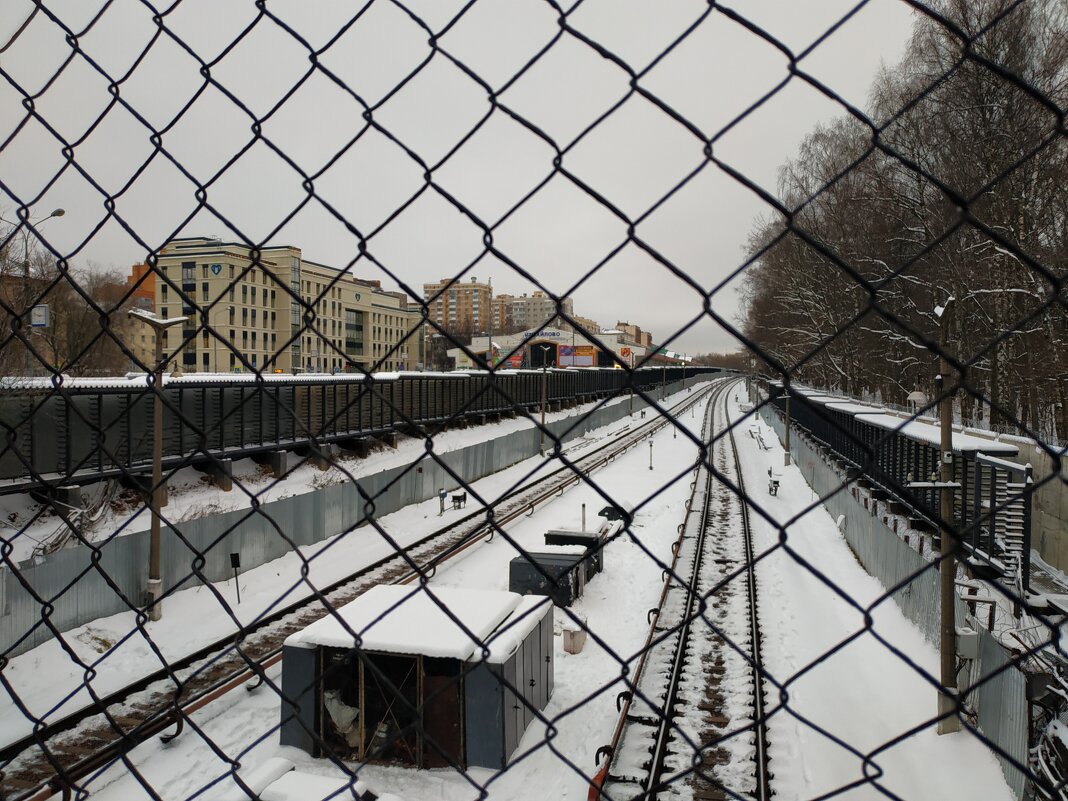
{"x":862,"y":695}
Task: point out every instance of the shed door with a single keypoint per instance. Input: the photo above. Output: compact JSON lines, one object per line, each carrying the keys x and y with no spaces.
{"x":442,"y":713}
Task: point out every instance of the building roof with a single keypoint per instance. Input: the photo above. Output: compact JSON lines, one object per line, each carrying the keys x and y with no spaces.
{"x":412,"y":620}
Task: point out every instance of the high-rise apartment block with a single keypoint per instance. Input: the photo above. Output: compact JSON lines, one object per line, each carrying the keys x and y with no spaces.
{"x":459,"y":306}
{"x":279,"y":312}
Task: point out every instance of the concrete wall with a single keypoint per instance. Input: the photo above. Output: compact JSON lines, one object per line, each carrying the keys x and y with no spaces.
{"x":1049,"y":505}
{"x":78,"y":584}
{"x":877,"y":538}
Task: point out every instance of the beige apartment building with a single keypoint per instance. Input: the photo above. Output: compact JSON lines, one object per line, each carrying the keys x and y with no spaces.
{"x":244,"y":314}
{"x":529,"y":311}
{"x":459,"y":306}
{"x":635,"y":334}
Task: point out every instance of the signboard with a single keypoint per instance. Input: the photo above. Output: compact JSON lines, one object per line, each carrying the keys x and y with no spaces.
{"x":585,"y":356}
{"x":216,"y":269}
{"x":39,"y":316}
{"x":515,"y":361}
{"x":565,"y":355}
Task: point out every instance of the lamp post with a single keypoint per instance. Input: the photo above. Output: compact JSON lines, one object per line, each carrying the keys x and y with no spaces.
{"x":155,"y":580}
{"x":26,"y":265}
{"x":544,"y":392}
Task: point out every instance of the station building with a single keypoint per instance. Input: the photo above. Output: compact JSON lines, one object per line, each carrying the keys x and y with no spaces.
{"x":236,"y":305}
{"x":551,"y":347}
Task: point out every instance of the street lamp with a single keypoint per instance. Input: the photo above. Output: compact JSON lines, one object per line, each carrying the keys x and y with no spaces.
{"x":155,"y":580}
{"x":28,"y":223}
{"x":948,"y":721}
{"x":544,"y":392}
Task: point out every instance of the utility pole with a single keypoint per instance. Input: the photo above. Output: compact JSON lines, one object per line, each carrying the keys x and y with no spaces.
{"x":544,"y":380}
{"x":157,"y":491}
{"x":949,"y":721}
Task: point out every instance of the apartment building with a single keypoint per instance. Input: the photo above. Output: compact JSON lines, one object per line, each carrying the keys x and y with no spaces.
{"x":530,"y":311}
{"x":279,"y":312}
{"x":582,"y":324}
{"x":635,"y":334}
{"x":459,"y":306}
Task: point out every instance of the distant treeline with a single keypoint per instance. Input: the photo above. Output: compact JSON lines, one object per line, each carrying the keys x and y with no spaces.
{"x":960,"y":189}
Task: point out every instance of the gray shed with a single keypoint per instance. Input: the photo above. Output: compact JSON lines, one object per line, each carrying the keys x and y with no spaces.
{"x":592,"y":541}
{"x":560,"y":574}
{"x":417,"y":690}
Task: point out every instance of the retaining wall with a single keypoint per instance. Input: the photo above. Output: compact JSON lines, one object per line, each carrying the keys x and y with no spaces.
{"x":78,"y":584}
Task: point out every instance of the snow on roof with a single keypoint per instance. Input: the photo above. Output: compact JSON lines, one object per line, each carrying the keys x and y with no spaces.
{"x":931,"y":434}
{"x":525,"y":618}
{"x":408,"y":620}
{"x":852,"y":408}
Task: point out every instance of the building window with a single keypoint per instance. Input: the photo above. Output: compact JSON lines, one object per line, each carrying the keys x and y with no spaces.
{"x":253,"y":294}
{"x":253,"y":316}
{"x":163,"y":313}
{"x":189,"y":274}
{"x":189,"y":358}
{"x":231,"y":271}
{"x":244,"y":340}
{"x":244,"y":293}
{"x":233,"y":361}
{"x":244,"y":317}
{"x":203,"y":271}
{"x":231,"y":319}
{"x":253,"y":339}
{"x":204,"y":291}
{"x":204,"y":361}
{"x":163,"y":292}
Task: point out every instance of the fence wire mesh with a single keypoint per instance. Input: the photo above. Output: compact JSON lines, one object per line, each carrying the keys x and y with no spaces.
{"x":374,"y":513}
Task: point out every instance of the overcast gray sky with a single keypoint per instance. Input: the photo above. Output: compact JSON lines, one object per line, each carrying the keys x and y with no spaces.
{"x":632,"y":159}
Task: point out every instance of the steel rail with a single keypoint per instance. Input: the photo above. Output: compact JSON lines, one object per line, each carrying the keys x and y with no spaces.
{"x":610,"y":750}
{"x":763,"y":775}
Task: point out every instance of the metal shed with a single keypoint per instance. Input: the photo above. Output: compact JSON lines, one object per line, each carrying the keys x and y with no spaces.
{"x":560,"y":574}
{"x":419,"y":688}
{"x":593,"y":542}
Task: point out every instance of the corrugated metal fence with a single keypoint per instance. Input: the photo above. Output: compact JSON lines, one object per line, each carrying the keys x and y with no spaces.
{"x":83,"y":583}
{"x":1000,"y":702}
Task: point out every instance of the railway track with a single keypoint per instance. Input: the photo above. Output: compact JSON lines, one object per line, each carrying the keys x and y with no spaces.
{"x":57,"y":756}
{"x":691,"y":722}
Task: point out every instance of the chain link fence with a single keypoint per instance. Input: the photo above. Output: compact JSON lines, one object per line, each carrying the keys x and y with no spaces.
{"x":586,"y":565}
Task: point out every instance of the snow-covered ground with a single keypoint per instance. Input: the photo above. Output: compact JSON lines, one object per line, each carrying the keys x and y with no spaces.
{"x":863,"y":695}
{"x":583,"y":704}
{"x":51,"y":684}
